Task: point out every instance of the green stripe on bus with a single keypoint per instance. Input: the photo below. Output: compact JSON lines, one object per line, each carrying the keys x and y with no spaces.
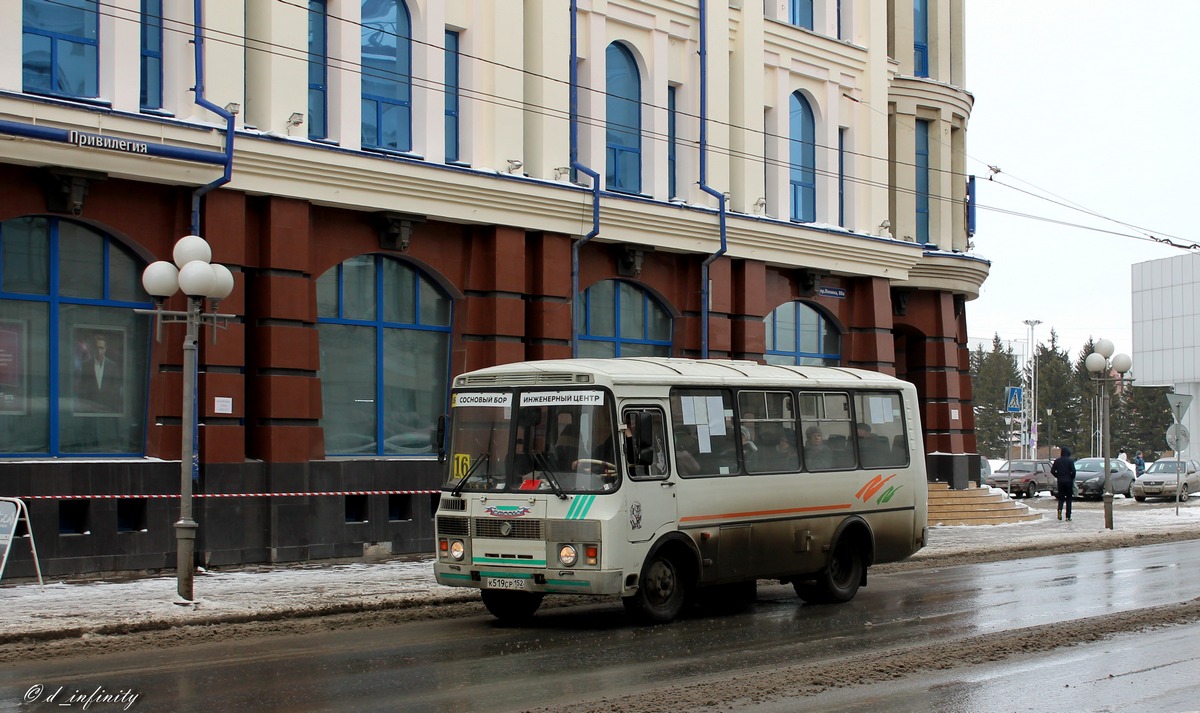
{"x":567,"y":583}
{"x":580,"y":507}
{"x":456,"y":576}
{"x":505,"y":575}
{"x":507,"y":560}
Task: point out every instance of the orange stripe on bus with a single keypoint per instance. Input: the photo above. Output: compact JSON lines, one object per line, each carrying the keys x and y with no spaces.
{"x":759,"y":513}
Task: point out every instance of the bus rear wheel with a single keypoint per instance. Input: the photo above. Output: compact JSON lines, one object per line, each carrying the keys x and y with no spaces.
{"x":661,"y":592}
{"x":839,"y":581}
{"x":510,"y":606}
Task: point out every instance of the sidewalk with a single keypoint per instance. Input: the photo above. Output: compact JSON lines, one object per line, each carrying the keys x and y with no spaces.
{"x":65,"y":609}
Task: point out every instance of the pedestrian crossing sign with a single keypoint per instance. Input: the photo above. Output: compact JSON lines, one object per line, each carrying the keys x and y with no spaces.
{"x":1012,"y":398}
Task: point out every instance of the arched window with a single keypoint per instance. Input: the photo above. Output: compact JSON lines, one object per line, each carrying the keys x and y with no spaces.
{"x":386,"y":75}
{"x":799,"y":335}
{"x":617,"y":318}
{"x":802,"y":160}
{"x":61,"y":47}
{"x":623,"y":136}
{"x":74,"y":357}
{"x":385,"y":357}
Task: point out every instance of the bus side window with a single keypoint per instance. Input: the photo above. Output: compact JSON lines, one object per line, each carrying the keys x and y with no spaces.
{"x":646,"y":447}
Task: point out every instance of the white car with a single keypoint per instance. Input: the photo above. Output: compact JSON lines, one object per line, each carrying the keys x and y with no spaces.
{"x":1161,"y":480}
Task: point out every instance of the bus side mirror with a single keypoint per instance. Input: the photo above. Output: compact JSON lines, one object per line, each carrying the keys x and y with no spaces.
{"x":440,"y":435}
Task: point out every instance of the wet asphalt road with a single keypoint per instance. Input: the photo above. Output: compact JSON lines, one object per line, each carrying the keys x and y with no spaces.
{"x":585,"y":653}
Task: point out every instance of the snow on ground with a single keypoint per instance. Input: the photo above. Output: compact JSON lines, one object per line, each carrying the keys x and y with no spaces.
{"x":73,"y":607}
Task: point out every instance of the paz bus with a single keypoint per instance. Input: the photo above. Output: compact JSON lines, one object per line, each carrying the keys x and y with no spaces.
{"x":660,"y":479}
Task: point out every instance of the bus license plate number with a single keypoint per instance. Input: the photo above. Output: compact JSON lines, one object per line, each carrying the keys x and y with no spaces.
{"x":505,"y":583}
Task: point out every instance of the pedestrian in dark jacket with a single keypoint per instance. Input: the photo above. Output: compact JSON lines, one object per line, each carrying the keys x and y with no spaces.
{"x":1063,"y":471}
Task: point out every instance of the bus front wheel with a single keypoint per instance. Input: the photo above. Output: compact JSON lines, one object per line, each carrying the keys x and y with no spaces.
{"x":661,"y":592}
{"x":839,"y":581}
{"x":510,"y":606}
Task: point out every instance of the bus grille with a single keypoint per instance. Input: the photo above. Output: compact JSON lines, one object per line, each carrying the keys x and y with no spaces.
{"x":460,"y":526}
{"x":573,"y":530}
{"x":453,"y":504}
{"x":521,"y":529}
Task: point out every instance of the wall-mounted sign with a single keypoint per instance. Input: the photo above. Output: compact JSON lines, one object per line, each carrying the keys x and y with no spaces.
{"x":111,"y":143}
{"x":836,"y":293}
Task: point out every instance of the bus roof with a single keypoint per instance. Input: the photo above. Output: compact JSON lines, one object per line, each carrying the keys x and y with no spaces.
{"x":660,"y":370}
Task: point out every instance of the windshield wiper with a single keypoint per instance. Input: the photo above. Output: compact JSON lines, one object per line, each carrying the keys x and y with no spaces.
{"x":540,"y":459}
{"x":457,"y":491}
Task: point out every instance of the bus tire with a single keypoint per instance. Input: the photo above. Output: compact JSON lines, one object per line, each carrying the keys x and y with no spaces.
{"x":661,"y":591}
{"x":839,"y":581}
{"x":511,"y":606}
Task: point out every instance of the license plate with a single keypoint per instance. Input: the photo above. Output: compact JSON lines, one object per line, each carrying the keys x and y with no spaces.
{"x":1153,"y":490}
{"x":505,"y":583}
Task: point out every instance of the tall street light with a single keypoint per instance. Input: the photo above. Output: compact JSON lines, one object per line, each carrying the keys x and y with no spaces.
{"x":1102,"y":364}
{"x":1050,"y":433}
{"x":1033,"y":412}
{"x":193,"y":273}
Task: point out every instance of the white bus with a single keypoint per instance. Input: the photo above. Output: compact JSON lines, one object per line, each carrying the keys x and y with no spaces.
{"x":725,"y":472}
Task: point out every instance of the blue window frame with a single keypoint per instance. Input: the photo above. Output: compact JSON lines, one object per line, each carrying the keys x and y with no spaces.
{"x":803,"y":160}
{"x":922,"y":169}
{"x":318,"y":70}
{"x":74,"y":357}
{"x":799,"y":335}
{"x":800,"y":13}
{"x":452,"y":118}
{"x":618,"y":318}
{"x":152,"y":54}
{"x":672,"y":143}
{"x":921,"y":38}
{"x":386,"y":75}
{"x":623,"y":135}
{"x":385,"y":357}
{"x":61,"y":47}
{"x":842,"y":177}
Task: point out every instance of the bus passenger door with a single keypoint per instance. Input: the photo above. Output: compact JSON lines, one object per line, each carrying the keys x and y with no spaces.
{"x":649,"y":486}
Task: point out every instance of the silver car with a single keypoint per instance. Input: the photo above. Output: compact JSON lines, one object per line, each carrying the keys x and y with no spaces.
{"x":1089,"y":478}
{"x":1161,"y":480}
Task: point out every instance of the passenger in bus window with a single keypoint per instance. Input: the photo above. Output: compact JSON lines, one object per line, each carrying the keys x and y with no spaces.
{"x":779,"y":450}
{"x":817,"y":454}
{"x":686,"y":447}
{"x":872,"y":450}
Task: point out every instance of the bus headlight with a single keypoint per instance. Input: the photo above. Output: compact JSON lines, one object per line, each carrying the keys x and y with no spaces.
{"x":567,"y":555}
{"x":457,"y":550}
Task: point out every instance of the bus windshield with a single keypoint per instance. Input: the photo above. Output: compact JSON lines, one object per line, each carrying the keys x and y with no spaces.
{"x":558,"y":441}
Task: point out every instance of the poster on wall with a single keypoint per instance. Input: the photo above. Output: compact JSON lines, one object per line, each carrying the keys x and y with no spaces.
{"x":13,"y":387}
{"x":98,"y":360}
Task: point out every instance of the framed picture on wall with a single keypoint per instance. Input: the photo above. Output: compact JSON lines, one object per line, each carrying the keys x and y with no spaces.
{"x":98,"y":361}
{"x":14,"y":386}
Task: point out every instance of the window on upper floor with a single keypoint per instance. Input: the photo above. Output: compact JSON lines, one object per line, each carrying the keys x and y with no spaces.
{"x":74,"y":357}
{"x":385,"y":357}
{"x":842,"y":176}
{"x":318,"y":69}
{"x":802,"y":160}
{"x":618,"y":318}
{"x":623,"y":122}
{"x":921,"y":38}
{"x":386,"y":75}
{"x":922,"y":171}
{"x":797,"y":334}
{"x":61,"y":47}
{"x":452,"y":118}
{"x":152,"y":54}
{"x":672,"y":142}
{"x":800,"y":13}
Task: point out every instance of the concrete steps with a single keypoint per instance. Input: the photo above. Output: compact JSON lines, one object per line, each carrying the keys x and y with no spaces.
{"x":975,"y":506}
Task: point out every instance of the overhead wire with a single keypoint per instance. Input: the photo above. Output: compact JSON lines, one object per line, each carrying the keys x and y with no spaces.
{"x":283,"y":50}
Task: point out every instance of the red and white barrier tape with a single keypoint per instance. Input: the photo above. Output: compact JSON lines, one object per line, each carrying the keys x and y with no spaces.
{"x":231,"y":495}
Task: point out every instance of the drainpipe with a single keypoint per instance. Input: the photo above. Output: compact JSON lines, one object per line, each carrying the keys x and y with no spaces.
{"x":576,"y":165}
{"x":198,"y":46}
{"x":704,"y":291}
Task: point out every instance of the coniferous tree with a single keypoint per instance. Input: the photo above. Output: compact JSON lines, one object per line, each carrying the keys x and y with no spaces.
{"x":1146,"y":415}
{"x":1056,"y":391}
{"x":991,"y":373}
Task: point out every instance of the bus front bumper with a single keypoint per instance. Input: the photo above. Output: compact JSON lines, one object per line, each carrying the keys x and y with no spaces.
{"x":530,"y":579}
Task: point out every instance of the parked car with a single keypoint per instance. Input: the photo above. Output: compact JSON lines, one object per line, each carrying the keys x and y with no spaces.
{"x":1161,"y":480}
{"x":1022,"y":477}
{"x":1089,"y":478}
{"x":985,"y":470}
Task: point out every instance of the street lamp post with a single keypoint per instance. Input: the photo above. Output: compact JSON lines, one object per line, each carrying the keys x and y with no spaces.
{"x":1050,"y":433}
{"x":1102,"y":363}
{"x":1031,"y":323}
{"x":199,"y":279}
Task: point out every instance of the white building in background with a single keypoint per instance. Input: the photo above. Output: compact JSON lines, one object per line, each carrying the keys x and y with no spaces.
{"x":1166,"y":327}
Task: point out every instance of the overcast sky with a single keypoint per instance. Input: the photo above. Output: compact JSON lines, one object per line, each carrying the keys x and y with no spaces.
{"x":1115,"y":87}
